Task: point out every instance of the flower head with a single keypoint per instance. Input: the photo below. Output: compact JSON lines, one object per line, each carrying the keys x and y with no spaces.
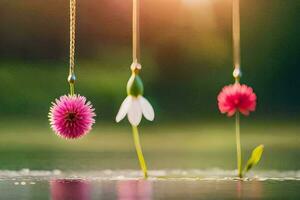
{"x":236,"y":98}
{"x":71,"y":116}
{"x":135,"y":105}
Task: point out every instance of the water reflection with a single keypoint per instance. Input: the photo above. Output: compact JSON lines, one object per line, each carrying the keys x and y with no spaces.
{"x":134,"y":190}
{"x":167,"y":189}
{"x":252,"y":189}
{"x":62,"y":189}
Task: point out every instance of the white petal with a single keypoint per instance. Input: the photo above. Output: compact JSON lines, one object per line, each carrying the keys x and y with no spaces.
{"x":124,"y":108}
{"x":135,"y":112}
{"x":146,"y":108}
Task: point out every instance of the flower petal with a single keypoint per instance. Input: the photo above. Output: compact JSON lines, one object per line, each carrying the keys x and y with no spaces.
{"x":237,"y":98}
{"x":124,"y":108}
{"x":135,"y":112}
{"x":147,"y":108}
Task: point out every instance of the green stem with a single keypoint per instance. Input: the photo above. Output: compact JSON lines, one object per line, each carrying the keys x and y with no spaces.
{"x":238,"y":144}
{"x":139,"y":150}
{"x":72,"y":89}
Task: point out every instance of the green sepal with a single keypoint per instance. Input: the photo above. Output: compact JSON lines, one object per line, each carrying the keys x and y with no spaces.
{"x":135,"y":85}
{"x":255,"y":157}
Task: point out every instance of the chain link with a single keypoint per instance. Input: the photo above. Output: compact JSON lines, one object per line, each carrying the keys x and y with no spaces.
{"x":72,"y":77}
{"x":72,"y":35}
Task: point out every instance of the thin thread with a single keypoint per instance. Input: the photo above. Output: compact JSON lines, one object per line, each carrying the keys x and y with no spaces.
{"x":236,"y":34}
{"x":136,"y":31}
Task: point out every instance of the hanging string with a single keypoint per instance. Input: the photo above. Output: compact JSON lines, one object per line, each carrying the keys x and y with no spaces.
{"x":236,"y":39}
{"x":135,"y":68}
{"x":237,"y":74}
{"x":136,"y":31}
{"x":72,"y":77}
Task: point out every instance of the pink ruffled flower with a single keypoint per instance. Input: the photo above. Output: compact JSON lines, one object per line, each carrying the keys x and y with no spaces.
{"x":71,"y":116}
{"x":236,"y":98}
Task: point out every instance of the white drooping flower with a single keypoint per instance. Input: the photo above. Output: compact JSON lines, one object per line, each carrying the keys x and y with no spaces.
{"x":135,"y":105}
{"x":135,"y":108}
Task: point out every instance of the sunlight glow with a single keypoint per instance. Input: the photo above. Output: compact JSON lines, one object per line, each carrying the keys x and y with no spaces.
{"x":195,"y":2}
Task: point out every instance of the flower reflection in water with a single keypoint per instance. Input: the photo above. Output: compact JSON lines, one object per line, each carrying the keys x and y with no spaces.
{"x":249,"y":189}
{"x":62,"y":189}
{"x":134,"y":190}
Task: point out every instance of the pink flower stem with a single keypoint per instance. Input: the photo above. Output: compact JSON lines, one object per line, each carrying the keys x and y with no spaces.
{"x":138,"y":148}
{"x":72,"y":89}
{"x":238,"y":144}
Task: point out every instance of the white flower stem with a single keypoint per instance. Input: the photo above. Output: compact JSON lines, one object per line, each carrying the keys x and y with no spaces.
{"x":238,"y":144}
{"x":138,"y":148}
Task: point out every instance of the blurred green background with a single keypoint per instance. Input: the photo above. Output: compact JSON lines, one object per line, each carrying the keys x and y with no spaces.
{"x":186,"y":58}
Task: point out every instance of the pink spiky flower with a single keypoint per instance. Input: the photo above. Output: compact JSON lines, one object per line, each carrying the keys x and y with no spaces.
{"x":71,"y":117}
{"x":237,"y":98}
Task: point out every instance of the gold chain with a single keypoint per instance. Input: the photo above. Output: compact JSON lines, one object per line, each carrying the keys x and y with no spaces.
{"x":72,"y":77}
{"x":72,"y":34}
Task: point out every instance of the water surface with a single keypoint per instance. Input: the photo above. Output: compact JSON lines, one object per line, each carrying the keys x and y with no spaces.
{"x":162,"y":184}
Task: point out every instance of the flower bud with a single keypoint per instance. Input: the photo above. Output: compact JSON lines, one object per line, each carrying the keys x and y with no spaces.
{"x":135,"y":85}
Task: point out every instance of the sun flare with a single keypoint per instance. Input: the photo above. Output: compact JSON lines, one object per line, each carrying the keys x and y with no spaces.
{"x":195,"y":2}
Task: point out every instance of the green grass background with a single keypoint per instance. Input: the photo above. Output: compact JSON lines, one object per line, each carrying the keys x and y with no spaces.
{"x":186,"y":59}
{"x":31,"y":144}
